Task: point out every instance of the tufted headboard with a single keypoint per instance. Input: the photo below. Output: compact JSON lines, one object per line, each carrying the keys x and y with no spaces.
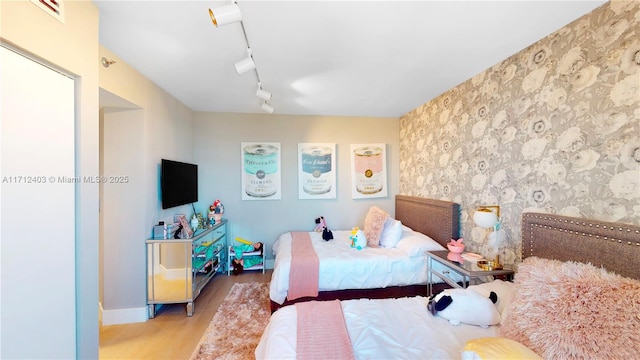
{"x":438,"y":219}
{"x":614,"y":246}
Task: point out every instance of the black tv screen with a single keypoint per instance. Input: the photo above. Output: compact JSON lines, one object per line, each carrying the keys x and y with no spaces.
{"x":178,"y":183}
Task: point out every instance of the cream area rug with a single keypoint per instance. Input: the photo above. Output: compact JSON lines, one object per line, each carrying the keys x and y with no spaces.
{"x":237,"y":326}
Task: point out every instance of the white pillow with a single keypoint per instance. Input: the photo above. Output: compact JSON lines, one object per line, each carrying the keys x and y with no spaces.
{"x":416,"y":244}
{"x":406,"y":230}
{"x":469,"y":307}
{"x":391,"y":233}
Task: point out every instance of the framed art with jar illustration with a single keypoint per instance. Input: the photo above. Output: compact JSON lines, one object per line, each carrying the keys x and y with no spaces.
{"x":368,"y":170}
{"x":316,"y":171}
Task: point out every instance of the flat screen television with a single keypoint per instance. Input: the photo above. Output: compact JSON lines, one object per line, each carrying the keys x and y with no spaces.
{"x":178,"y":183}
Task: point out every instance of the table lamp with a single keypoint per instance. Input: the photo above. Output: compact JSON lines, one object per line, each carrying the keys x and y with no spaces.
{"x":488,"y":217}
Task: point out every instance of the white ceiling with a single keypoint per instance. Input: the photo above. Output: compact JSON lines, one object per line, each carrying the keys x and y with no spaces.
{"x":342,"y":58}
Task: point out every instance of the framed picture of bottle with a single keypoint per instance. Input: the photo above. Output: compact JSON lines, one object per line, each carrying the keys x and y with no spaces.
{"x":368,"y":170}
{"x":316,"y":171}
{"x":261,"y":171}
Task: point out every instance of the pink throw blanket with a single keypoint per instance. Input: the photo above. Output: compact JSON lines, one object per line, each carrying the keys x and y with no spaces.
{"x":322,"y":332}
{"x":303,"y":274}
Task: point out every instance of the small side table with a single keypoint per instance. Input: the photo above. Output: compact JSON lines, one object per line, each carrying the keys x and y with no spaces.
{"x":467,"y":270}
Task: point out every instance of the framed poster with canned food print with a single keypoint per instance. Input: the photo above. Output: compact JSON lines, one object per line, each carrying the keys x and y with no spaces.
{"x":316,"y":171}
{"x":261,"y":171}
{"x":368,"y":171}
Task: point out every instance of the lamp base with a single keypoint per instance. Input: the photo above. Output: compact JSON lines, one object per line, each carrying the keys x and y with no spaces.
{"x":489,"y":265}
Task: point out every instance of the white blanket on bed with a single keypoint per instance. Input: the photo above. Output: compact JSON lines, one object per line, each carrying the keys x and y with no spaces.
{"x":343,"y":267}
{"x":379,"y":329}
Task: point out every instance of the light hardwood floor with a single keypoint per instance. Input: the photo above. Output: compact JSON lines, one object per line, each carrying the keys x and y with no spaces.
{"x":171,"y":334}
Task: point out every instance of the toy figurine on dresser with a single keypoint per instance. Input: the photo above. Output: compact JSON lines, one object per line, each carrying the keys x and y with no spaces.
{"x":216,"y":210}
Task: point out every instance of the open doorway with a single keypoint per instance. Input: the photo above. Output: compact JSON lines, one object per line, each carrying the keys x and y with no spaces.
{"x":121,"y":179}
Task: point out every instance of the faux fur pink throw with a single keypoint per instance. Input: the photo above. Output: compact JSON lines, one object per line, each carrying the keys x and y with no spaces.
{"x":570,"y":310}
{"x":322,"y":332}
{"x":303,"y":274}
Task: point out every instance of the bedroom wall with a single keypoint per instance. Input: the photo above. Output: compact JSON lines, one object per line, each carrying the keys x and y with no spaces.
{"x":164,"y":129}
{"x":217,"y":152}
{"x":554,"y":128}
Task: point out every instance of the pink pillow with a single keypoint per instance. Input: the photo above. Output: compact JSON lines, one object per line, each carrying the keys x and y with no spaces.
{"x":571,"y":310}
{"x":373,"y":225}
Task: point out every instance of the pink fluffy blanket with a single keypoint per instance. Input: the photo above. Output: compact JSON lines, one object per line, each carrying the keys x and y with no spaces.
{"x":322,"y":332}
{"x":303,"y":275}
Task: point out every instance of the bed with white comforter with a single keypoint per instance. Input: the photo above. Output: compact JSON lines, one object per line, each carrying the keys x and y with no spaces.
{"x":344,"y":267}
{"x":379,"y":329}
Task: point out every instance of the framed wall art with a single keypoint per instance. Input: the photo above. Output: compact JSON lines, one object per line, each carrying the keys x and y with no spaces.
{"x":316,"y":171}
{"x":368,"y":171}
{"x":261,"y":171}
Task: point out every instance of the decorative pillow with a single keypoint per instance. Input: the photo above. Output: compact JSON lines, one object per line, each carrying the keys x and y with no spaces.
{"x":391,"y":233}
{"x":568,"y":310}
{"x":416,"y":244}
{"x":496,"y":348}
{"x":374,"y":224}
{"x":468,"y":307}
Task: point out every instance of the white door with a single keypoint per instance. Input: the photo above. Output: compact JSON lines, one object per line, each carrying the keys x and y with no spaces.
{"x":37,"y":221}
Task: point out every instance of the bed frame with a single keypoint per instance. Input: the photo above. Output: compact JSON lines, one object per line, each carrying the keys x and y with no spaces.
{"x":614,"y":246}
{"x":437,"y":218}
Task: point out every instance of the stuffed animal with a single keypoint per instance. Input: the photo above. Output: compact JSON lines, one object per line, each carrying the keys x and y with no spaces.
{"x":358,"y":239}
{"x":465,"y":306}
{"x":321,"y":226}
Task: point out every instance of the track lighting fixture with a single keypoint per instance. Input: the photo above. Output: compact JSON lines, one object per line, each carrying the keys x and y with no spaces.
{"x":225,"y":15}
{"x":263,"y":94}
{"x":267,"y":108}
{"x":229,"y":14}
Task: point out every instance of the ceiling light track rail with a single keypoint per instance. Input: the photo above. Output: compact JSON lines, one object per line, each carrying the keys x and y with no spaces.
{"x":229,"y":14}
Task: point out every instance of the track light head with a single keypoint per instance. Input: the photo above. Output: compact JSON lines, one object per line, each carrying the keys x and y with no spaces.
{"x":263,"y":94}
{"x":245,"y":65}
{"x":267,"y":108}
{"x":225,"y":15}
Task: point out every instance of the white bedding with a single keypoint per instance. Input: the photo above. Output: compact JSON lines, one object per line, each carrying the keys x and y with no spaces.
{"x":379,"y":329}
{"x":343,"y":267}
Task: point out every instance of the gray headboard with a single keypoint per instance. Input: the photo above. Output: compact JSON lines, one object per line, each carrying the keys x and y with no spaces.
{"x":614,"y":246}
{"x":438,"y":219}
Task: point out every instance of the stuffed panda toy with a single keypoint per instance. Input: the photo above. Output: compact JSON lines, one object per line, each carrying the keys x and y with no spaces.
{"x":465,"y":306}
{"x":321,"y":226}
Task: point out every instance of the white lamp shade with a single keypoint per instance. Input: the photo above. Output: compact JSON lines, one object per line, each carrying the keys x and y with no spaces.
{"x":225,"y":15}
{"x":267,"y":108}
{"x":245,"y":65}
{"x":485,"y":219}
{"x":263,"y":94}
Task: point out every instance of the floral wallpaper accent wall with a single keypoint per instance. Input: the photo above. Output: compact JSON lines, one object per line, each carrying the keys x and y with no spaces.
{"x":554,"y":128}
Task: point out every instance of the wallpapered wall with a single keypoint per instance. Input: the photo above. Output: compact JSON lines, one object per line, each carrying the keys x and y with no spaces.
{"x":554,"y":128}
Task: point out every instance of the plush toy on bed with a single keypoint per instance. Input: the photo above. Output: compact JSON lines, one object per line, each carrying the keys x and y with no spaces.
{"x":465,"y":306}
{"x":358,"y":240}
{"x":321,"y":226}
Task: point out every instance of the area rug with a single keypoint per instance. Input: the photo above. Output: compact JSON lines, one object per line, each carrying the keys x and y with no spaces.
{"x":236,"y":328}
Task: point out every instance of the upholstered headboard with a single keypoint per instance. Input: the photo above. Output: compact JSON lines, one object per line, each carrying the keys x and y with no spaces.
{"x":614,"y":246}
{"x":438,"y":219}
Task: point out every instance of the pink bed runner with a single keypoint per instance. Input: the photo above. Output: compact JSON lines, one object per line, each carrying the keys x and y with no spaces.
{"x":322,"y":332}
{"x":303,"y":275}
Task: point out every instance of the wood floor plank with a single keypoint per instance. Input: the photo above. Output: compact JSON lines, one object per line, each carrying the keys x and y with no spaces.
{"x":171,"y":334}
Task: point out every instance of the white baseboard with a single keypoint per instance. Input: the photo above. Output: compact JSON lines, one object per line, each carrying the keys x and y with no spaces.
{"x":123,"y":316}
